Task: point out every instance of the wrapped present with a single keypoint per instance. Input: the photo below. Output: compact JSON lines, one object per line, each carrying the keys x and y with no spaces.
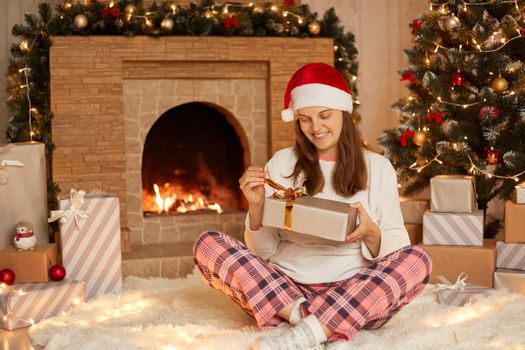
{"x":478,"y":263}
{"x":511,"y":280}
{"x":290,"y":210}
{"x":29,"y":265}
{"x":460,"y":293}
{"x":415,"y":232}
{"x":90,"y":241}
{"x":514,"y":222}
{"x":413,"y":210}
{"x":25,"y":304}
{"x":453,"y":228}
{"x":23,"y":190}
{"x":510,"y":256}
{"x":520,"y":193}
{"x":453,"y":194}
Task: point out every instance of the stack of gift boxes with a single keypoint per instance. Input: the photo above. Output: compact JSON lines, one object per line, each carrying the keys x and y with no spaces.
{"x":452,"y":230}
{"x":452,"y":233}
{"x":89,"y":236}
{"x":510,"y":261}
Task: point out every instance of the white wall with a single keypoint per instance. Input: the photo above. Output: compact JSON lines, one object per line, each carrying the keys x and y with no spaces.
{"x":382,"y":34}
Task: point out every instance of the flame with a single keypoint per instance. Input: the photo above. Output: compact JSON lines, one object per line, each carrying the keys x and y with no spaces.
{"x":176,"y":202}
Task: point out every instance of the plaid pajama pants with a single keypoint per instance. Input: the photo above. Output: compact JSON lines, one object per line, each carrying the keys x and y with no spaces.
{"x":365,"y":301}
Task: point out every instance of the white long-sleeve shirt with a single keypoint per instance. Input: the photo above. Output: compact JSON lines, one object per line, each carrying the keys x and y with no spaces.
{"x":308,"y":259}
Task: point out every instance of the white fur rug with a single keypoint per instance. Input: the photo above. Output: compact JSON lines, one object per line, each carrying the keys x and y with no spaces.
{"x":187,"y":314}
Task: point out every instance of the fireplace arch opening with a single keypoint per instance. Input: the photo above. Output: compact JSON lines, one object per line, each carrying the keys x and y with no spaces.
{"x":193,"y":157}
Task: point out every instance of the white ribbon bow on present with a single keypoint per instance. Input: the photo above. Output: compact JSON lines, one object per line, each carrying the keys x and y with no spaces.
{"x":77,"y":200}
{"x":459,"y":285}
{"x":5,"y":163}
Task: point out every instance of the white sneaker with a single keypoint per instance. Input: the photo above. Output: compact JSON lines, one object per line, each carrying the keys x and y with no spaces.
{"x":306,"y":335}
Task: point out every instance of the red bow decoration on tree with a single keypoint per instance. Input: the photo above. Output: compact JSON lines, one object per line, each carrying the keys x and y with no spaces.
{"x":230,"y":22}
{"x":437,"y":117}
{"x":110,"y":11}
{"x":415,"y":25}
{"x":409,"y":76}
{"x":403,"y":139}
{"x":489,"y":112}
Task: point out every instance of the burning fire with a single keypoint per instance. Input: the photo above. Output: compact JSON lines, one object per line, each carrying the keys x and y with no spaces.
{"x":176,"y":202}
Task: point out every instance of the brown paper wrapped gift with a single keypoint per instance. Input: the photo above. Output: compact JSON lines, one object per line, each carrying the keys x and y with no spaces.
{"x":514,"y":222}
{"x":415,"y":232}
{"x":478,"y":263}
{"x":461,"y":293}
{"x":453,"y":194}
{"x":22,"y":305}
{"x":314,"y":216}
{"x":413,"y":210}
{"x":23,"y":190}
{"x":29,"y":265}
{"x":512,"y":280}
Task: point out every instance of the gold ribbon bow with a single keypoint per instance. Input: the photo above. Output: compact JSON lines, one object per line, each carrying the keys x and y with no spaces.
{"x":290,"y":194}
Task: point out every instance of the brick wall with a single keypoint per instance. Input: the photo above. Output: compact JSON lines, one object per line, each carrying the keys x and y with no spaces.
{"x":87,"y":75}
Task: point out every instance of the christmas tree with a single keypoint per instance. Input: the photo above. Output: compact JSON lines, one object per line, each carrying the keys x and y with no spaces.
{"x":466,"y":110}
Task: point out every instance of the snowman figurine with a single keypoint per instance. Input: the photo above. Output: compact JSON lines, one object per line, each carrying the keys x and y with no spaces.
{"x":24,"y":238}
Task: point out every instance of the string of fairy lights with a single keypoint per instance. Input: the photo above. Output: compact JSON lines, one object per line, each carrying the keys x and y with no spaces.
{"x":216,"y":9}
{"x":499,"y":84}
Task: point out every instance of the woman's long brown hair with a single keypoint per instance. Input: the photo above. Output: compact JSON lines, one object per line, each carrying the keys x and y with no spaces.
{"x":349,"y":175}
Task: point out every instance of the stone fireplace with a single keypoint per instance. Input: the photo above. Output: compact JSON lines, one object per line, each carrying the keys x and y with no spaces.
{"x":114,"y":98}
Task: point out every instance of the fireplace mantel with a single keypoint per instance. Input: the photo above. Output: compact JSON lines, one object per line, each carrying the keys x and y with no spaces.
{"x":87,"y":93}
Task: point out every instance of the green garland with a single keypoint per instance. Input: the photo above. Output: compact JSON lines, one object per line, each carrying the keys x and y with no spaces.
{"x":128,"y":17}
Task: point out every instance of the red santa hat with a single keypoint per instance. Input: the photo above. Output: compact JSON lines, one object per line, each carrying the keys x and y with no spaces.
{"x":316,"y":84}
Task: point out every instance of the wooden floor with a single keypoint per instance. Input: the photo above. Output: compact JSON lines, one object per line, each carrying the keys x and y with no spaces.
{"x":15,"y":340}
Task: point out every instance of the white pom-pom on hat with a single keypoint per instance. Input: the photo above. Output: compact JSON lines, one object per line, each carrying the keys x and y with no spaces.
{"x":319,"y":85}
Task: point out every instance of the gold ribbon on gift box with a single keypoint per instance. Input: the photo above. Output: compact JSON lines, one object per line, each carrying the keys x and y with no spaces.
{"x":290,"y":194}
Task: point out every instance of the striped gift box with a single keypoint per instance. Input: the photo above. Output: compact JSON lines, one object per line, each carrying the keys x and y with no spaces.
{"x":460,"y":293}
{"x":25,"y":304}
{"x":91,"y":246}
{"x":453,"y":228}
{"x":510,"y":256}
{"x":520,"y":194}
{"x":466,"y":295}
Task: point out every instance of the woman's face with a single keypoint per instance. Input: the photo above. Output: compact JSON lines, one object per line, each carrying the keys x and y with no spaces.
{"x":322,"y":126}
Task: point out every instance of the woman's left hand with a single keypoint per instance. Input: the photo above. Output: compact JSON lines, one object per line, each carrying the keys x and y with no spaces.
{"x":367,"y":230}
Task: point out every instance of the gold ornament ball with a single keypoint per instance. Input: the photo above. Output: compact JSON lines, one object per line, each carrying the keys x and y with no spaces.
{"x":314,"y":28}
{"x":80,"y":21}
{"x":419,"y":138}
{"x":167,"y":24}
{"x":451,"y":22}
{"x":130,"y":10}
{"x":500,"y":84}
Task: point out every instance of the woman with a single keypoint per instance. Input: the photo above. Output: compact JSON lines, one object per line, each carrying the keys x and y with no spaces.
{"x":327,"y":289}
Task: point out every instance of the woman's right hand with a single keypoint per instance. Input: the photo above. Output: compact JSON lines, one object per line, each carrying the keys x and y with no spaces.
{"x":251,"y":184}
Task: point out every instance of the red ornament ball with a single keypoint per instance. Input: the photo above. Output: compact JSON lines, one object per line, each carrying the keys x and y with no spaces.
{"x":492,"y":156}
{"x":7,"y":276}
{"x":57,"y":272}
{"x":457,"y":79}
